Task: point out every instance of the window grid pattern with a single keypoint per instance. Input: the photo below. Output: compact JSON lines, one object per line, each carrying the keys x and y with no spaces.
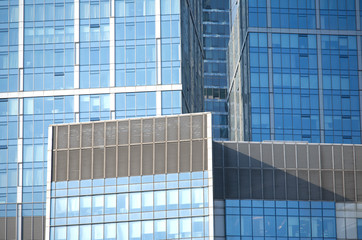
{"x":39,"y":113}
{"x":162,"y":206}
{"x":94,"y":107}
{"x":216,"y":38}
{"x":338,"y":14}
{"x":250,"y":219}
{"x":340,"y":89}
{"x":295,"y":83}
{"x":259,"y":86}
{"x":171,"y":102}
{"x":135,"y":43}
{"x":94,"y":43}
{"x":257,"y":13}
{"x":9,"y":46}
{"x":139,"y":104}
{"x":48,"y":45}
{"x":293,"y":14}
{"x":8,"y":152}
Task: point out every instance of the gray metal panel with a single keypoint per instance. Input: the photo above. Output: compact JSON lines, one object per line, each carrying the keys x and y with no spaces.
{"x":160,"y":126}
{"x":111,"y":162}
{"x":62,"y":165}
{"x":349,"y":185}
{"x":348,"y":158}
{"x":185,"y":148}
{"x":217,"y":154}
{"x":244,"y":183}
{"x":86,"y":135}
{"x":2,"y":228}
{"x":231,"y":177}
{"x":314,"y":185}
{"x":38,"y":227}
{"x":62,"y":135}
{"x":326,"y":156}
{"x":74,"y":157}
{"x":98,"y":134}
{"x":172,"y":128}
{"x":147,"y":159}
{"x":74,"y":138}
{"x":86,"y":164}
{"x":135,"y":160}
{"x":327,"y":185}
{"x":185,"y":127}
{"x":218,"y":183}
{"x":267,"y":155}
{"x":313,"y":151}
{"x":280,"y":191}
{"x":98,"y":163}
{"x":206,"y":159}
{"x":27,"y":228}
{"x":268,"y":186}
{"x":159,"y":158}
{"x":197,"y":126}
{"x":338,"y":186}
{"x":358,"y":150}
{"x":255,"y":158}
{"x":172,"y":157}
{"x":278,"y":150}
{"x":337,"y":156}
{"x":111,"y":133}
{"x":11,"y":229}
{"x":359,"y":185}
{"x":303,"y":186}
{"x":256,"y":184}
{"x":123,"y":132}
{"x":292,"y":185}
{"x":290,"y":160}
{"x":243,"y":155}
{"x":230,"y":154}
{"x":135,"y":130}
{"x":302,"y":159}
{"x":197,"y":156}
{"x":147,"y":132}
{"x":54,"y":166}
{"x":122,"y":161}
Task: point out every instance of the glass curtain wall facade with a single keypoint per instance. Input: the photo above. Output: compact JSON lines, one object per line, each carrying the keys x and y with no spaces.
{"x":216,"y":37}
{"x":68,"y":61}
{"x":297,"y":76}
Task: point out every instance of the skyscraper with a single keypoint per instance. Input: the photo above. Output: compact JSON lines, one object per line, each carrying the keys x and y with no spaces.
{"x":216,"y":37}
{"x":295,"y":71}
{"x":76,"y":61}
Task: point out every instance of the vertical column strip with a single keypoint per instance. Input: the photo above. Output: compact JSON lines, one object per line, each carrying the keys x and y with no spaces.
{"x":76,"y":108}
{"x":271,"y":87}
{"x":358,"y":15}
{"x":21,"y":45}
{"x":49,"y":183}
{"x":112,"y":48}
{"x":76,"y":43}
{"x":19,"y":190}
{"x":317,"y":15}
{"x":359,"y":49}
{"x":320,"y":88}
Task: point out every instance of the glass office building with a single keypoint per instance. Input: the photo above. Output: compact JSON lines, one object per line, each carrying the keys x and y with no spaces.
{"x":295,"y":71}
{"x":216,"y":37}
{"x":78,"y":61}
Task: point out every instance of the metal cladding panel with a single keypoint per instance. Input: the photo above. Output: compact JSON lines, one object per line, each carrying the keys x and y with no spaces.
{"x":160,"y":129}
{"x":27,"y":228}
{"x":98,"y":163}
{"x":38,"y":227}
{"x":123,"y":132}
{"x":185,"y":128}
{"x":185,"y":149}
{"x":160,"y":158}
{"x":87,"y":135}
{"x":197,"y":127}
{"x":135,"y":160}
{"x":147,"y":159}
{"x":2,"y":228}
{"x":172,"y":129}
{"x":292,"y":171}
{"x":111,"y":133}
{"x":74,"y":138}
{"x":86,"y":164}
{"x":358,"y":150}
{"x":197,"y":156}
{"x":359,"y":185}
{"x":135,"y":131}
{"x":98,"y":134}
{"x":62,"y":165}
{"x":123,"y":161}
{"x":231,"y":189}
{"x":172,"y":157}
{"x":74,"y":165}
{"x":110,"y":164}
{"x":62,"y":141}
{"x":147,"y":131}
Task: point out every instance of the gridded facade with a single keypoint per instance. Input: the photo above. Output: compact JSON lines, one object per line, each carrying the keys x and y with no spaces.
{"x":287,"y":190}
{"x":144,"y":178}
{"x":216,"y":37}
{"x":77,"y":61}
{"x":297,"y":75}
